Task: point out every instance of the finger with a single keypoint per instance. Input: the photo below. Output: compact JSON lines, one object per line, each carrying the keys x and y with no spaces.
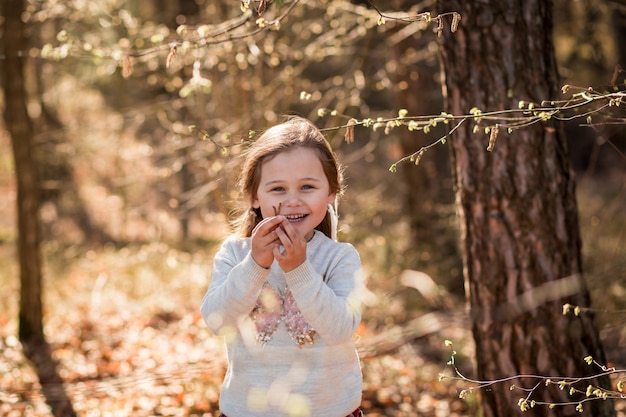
{"x":291,"y":246}
{"x":267,"y":225}
{"x":278,"y":255}
{"x":278,"y":250}
{"x":282,"y":240}
{"x":282,"y":236}
{"x":292,"y":233}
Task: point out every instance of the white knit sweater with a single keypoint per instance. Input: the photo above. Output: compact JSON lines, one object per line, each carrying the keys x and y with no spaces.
{"x":288,"y":335}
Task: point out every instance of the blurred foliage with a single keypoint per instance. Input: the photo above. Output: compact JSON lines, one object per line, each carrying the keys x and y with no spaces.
{"x":129,"y":152}
{"x":152,"y":171}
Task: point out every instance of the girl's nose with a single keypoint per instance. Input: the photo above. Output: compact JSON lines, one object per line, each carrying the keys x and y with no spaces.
{"x":293,"y":199}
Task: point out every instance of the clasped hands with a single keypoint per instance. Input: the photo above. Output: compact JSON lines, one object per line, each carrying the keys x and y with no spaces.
{"x":267,"y":238}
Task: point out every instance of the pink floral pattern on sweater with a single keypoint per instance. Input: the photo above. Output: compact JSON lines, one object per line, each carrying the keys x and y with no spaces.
{"x":272,"y":308}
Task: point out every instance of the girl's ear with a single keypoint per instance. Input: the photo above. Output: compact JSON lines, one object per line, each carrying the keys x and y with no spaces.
{"x":255,"y":203}
{"x":331,"y":199}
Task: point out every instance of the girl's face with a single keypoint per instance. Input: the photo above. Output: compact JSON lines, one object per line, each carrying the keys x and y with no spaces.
{"x":295,"y":181}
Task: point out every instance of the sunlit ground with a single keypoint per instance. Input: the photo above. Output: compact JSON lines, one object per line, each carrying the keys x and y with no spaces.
{"x":125,"y":327}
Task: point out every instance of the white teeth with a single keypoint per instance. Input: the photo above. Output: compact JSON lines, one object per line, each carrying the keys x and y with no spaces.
{"x":295,"y":217}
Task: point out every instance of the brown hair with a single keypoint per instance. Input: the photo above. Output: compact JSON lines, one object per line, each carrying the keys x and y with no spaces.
{"x":296,"y":132}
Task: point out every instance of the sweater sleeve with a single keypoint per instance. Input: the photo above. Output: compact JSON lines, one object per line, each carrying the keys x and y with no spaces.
{"x":331,"y":303}
{"x":235,"y":284}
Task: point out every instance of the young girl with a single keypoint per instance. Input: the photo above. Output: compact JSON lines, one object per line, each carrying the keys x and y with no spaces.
{"x":284,"y":294}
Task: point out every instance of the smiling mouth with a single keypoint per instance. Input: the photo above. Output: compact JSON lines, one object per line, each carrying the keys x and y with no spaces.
{"x":295,"y":218}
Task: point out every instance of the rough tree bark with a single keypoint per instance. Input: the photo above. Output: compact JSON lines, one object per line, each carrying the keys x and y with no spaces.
{"x":518,"y":216}
{"x":19,"y":127}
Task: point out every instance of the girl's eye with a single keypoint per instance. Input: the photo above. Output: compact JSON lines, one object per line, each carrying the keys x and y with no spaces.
{"x":308,"y":187}
{"x":277,"y":189}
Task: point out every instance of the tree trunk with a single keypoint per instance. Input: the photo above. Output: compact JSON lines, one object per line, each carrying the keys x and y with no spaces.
{"x":518,"y":215}
{"x":618,"y":12}
{"x":19,"y":127}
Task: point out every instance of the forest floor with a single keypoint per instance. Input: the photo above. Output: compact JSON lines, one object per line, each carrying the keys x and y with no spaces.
{"x":168,"y":365}
{"x":127,"y":342}
{"x":120,"y":356}
{"x":127,"y":337}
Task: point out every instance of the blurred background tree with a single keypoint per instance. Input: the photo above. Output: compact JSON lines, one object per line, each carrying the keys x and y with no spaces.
{"x":20,"y":129}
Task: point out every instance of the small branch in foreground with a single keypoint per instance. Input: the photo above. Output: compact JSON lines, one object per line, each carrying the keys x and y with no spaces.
{"x":585,"y":103}
{"x":571,"y":384}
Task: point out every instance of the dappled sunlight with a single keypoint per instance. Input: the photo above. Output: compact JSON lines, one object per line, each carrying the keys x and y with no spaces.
{"x":138,"y":160}
{"x":125,"y":326}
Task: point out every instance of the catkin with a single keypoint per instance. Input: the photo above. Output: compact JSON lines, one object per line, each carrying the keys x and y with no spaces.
{"x":418,"y":157}
{"x":127,"y":67}
{"x":261,"y":8}
{"x":456,"y":18}
{"x":493,"y":135}
{"x":349,"y":136}
{"x":171,"y":56}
